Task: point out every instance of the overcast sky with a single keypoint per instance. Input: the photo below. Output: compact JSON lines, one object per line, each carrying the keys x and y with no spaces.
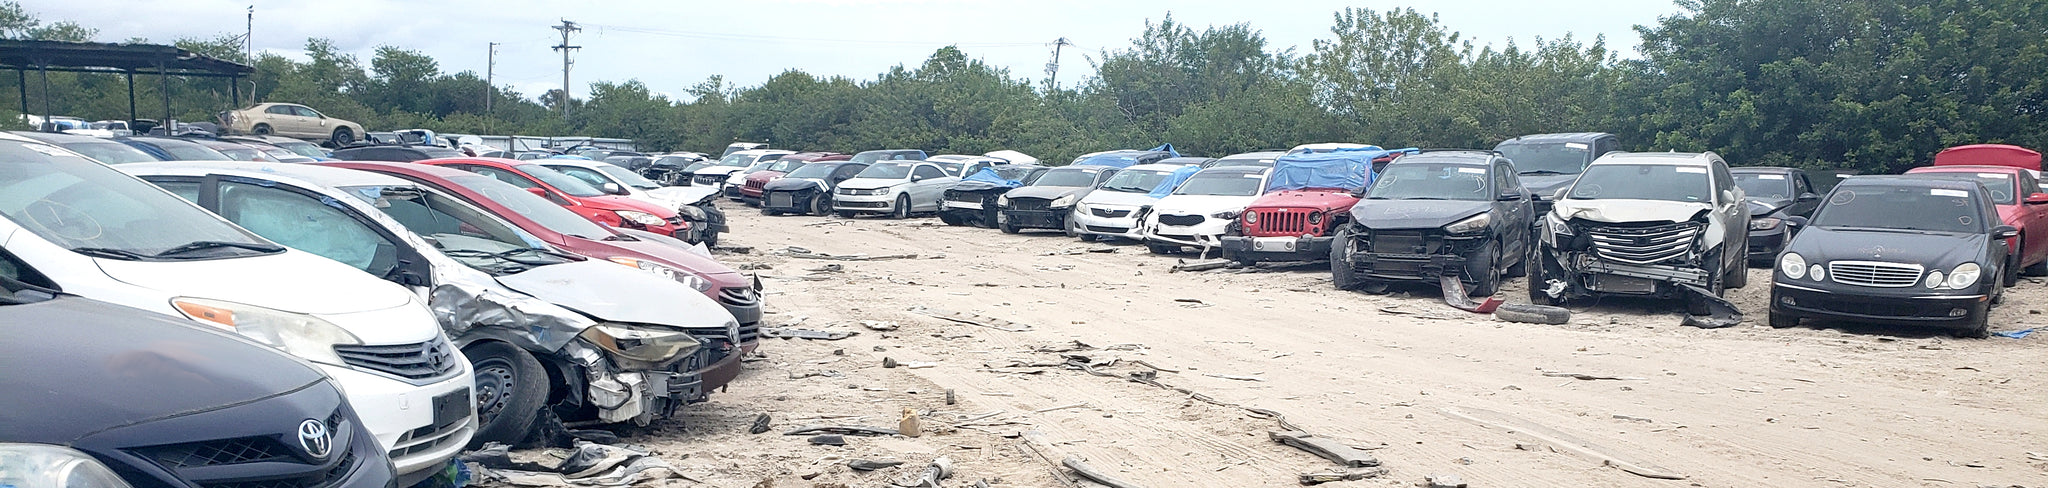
{"x":670,"y":45}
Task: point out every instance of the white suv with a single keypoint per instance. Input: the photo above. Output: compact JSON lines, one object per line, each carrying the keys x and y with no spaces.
{"x":896,"y":188}
{"x":1645,"y":224}
{"x":104,"y":235}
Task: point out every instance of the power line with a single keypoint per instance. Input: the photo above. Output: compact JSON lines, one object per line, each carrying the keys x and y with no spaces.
{"x":756,"y":38}
{"x":567,"y":28}
{"x":1055,"y":65}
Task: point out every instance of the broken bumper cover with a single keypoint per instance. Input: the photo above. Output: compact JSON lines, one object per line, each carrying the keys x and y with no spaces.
{"x":1037,"y":219}
{"x":1125,"y":226}
{"x":1409,"y":267}
{"x":639,"y":395}
{"x":1594,"y":275}
{"x":789,"y":200}
{"x":1952,"y":311}
{"x":1263,"y":249}
{"x":864,"y":203}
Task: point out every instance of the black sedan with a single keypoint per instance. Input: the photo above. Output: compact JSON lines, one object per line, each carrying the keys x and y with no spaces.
{"x":973,"y":200}
{"x":1435,"y":214}
{"x":1896,"y":249}
{"x":808,"y":190}
{"x":105,"y":394}
{"x":1774,"y":194}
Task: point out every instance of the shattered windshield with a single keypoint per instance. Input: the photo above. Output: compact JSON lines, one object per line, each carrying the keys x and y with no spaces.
{"x":1563,"y":158}
{"x":1901,"y":207}
{"x":460,"y":230}
{"x":1668,"y":182}
{"x":1068,"y":177}
{"x":1223,"y":184}
{"x":1431,"y":181}
{"x":1764,"y":185}
{"x":94,"y":210}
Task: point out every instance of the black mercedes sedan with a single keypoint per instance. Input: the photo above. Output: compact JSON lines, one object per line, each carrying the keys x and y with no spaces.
{"x":1439,"y":213}
{"x":1895,"y":249}
{"x":101,"y":395}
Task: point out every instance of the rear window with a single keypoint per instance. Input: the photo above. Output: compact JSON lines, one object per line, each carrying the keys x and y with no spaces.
{"x":1222,"y":184}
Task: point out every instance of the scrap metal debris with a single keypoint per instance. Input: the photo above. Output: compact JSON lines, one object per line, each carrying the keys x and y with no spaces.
{"x":1181,"y":265}
{"x":828,"y":440}
{"x":760,"y":424}
{"x":1082,"y":468}
{"x":866,"y":465}
{"x":930,"y":476}
{"x":1589,"y":377}
{"x":1320,"y":478}
{"x":1234,"y":377}
{"x":798,"y":252}
{"x":1720,"y":311}
{"x":1443,"y":480}
{"x":970,"y":318}
{"x":590,"y":464}
{"x":808,"y":334}
{"x":841,"y":429}
{"x":1455,"y":296}
{"x":879,"y":325}
{"x":1324,"y":447}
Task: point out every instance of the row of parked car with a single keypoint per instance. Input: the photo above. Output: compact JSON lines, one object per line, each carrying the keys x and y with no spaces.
{"x":335,"y":323}
{"x":1576,"y":216}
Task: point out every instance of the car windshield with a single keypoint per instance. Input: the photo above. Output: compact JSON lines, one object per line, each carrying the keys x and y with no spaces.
{"x":736,"y":159}
{"x":1764,"y":185}
{"x":886,"y":171}
{"x":1901,"y":207}
{"x":459,"y":229}
{"x":814,"y":171}
{"x":110,"y":152}
{"x":243,"y":153}
{"x":1669,"y":182}
{"x":281,"y":154}
{"x":786,"y":165}
{"x":302,"y":149}
{"x":757,"y":167}
{"x":628,"y":177}
{"x":564,"y":183}
{"x":693,"y":167}
{"x":533,"y":207}
{"x":1067,"y":177}
{"x":2000,"y":185}
{"x":186,"y":151}
{"x":92,"y":209}
{"x":1138,"y":181}
{"x":677,"y":161}
{"x":1430,"y":181}
{"x":1565,"y":158}
{"x":873,"y":156}
{"x":1222,"y":184}
{"x":950,"y":168}
{"x":1015,"y":173}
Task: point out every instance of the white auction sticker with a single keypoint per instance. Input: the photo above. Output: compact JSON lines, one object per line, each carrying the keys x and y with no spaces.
{"x":1948,"y":193}
{"x":1685,"y":169}
{"x":1575,"y":145}
{"x":1770,"y":177}
{"x":1476,"y":171}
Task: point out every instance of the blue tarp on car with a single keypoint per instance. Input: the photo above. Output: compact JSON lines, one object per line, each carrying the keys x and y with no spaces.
{"x":988,"y":175}
{"x":1346,"y":169}
{"x":1119,"y":159}
{"x":1167,"y":148}
{"x":1173,"y":181}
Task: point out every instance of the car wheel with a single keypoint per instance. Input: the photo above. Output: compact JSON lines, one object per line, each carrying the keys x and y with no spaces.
{"x":821,"y":205}
{"x":1342,"y":274}
{"x":261,"y":129}
{"x":1003,"y":222}
{"x":951,"y":219}
{"x":511,"y":388}
{"x":1780,"y":320}
{"x":343,"y":137}
{"x":1488,"y":279}
{"x":1162,"y":248}
{"x":1537,"y":279}
{"x":1074,"y":229}
{"x":1737,"y":276}
{"x":1977,"y":326}
{"x":902,"y":207}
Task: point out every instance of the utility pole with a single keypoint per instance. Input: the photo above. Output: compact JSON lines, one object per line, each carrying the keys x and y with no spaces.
{"x":490,"y":86}
{"x":567,"y":28}
{"x":1056,"y":45}
{"x":248,"y":39}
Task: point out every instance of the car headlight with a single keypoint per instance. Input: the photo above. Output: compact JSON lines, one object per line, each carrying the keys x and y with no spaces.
{"x":1556,"y":225}
{"x":1062,"y":201}
{"x":301,"y":335}
{"x":641,"y":344}
{"x":1818,"y":273}
{"x":686,"y":278}
{"x":1470,"y":225}
{"x":690,"y":212}
{"x":1935,"y":279}
{"x":1315,"y":218}
{"x":1964,"y":275}
{"x":1251,"y":217}
{"x":1002,"y":200}
{"x":1793,"y":265}
{"x":49,"y":466}
{"x":1225,"y":215}
{"x":642,"y":218}
{"x":1766,"y":223}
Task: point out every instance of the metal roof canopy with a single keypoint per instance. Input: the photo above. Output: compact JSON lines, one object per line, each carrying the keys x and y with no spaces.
{"x":125,"y":59}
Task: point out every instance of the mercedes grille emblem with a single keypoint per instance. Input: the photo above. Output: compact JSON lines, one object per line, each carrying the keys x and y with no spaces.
{"x":313,"y":436}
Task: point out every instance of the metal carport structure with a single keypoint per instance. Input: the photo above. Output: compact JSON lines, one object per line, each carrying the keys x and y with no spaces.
{"x":108,"y":58}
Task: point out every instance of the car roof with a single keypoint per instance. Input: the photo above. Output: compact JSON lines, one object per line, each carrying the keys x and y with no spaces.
{"x":1154,"y":167}
{"x":1671,"y":158}
{"x":439,"y":172}
{"x":1763,"y":169}
{"x":1559,"y":137}
{"x":1910,"y":180}
{"x":1097,"y":167}
{"x":59,"y":137}
{"x":1472,"y":157}
{"x":1235,"y":169}
{"x":1965,"y":168}
{"x":1185,"y":161}
{"x":764,"y":152}
{"x":298,"y":174}
{"x":580,"y":163}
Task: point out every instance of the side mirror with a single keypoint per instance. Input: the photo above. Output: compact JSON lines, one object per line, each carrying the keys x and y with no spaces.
{"x":1561,"y":193}
{"x":1727,"y":195}
{"x":1795,"y":221}
{"x":916,"y":178}
{"x":2004,"y":232}
{"x":538,"y":192}
{"x":1510,"y":196}
{"x":614,"y":188}
{"x":2037,"y":199}
{"x":1808,"y":197}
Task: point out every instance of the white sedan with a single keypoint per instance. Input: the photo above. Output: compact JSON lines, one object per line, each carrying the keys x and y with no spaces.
{"x":1198,"y":213}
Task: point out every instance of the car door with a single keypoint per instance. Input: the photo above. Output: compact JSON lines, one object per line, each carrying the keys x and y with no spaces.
{"x":316,"y":125}
{"x":928,"y":182}
{"x":1733,"y":213}
{"x":281,"y":119}
{"x":1518,"y":212}
{"x":1804,"y":199}
{"x":2033,"y":217}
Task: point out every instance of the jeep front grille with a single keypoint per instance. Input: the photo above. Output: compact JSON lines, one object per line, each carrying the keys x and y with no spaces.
{"x":1281,"y":222}
{"x":1643,"y":245}
{"x":1875,"y":273}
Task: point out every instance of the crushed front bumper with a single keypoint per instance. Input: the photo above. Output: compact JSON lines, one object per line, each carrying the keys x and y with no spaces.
{"x":1267,"y":249}
{"x":1586,"y":275}
{"x":1764,"y":245}
{"x":1950,"y":311}
{"x":1125,"y":225}
{"x":1037,"y":219}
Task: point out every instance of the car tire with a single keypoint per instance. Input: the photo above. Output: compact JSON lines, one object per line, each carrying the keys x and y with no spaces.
{"x":951,"y":219}
{"x":770,"y":211}
{"x":1782,"y":320}
{"x":2009,"y":275}
{"x":1342,"y":274}
{"x":988,"y":217}
{"x":260,"y":129}
{"x":821,"y":205}
{"x":1737,"y":276}
{"x":902,"y":210}
{"x":1073,"y":229}
{"x":1533,"y":314}
{"x":1162,"y":248}
{"x":1978,"y":326}
{"x":1537,"y":272}
{"x":1007,"y":226}
{"x":511,"y":392}
{"x":343,"y":137}
{"x":1488,"y":280}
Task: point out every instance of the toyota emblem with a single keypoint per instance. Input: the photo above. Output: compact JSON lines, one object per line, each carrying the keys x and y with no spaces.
{"x":433,"y":355}
{"x":313,"y":436}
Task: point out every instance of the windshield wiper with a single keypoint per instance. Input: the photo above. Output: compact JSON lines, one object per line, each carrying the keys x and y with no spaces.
{"x":110,"y":253}
{"x":1883,"y":229}
{"x":1542,"y":172}
{"x":204,"y":245}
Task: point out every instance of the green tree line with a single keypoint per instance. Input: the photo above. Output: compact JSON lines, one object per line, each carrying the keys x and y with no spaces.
{"x":1876,"y":86}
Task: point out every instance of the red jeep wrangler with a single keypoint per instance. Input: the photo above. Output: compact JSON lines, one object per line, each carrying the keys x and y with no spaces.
{"x":1308,"y":196}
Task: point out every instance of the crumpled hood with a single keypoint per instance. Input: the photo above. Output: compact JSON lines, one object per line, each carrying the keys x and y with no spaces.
{"x":975,"y":186}
{"x":1935,"y":251}
{"x":1317,"y":199}
{"x":869,"y":183}
{"x":685,"y":195}
{"x":677,"y":253}
{"x":613,"y":293}
{"x":1545,"y":185}
{"x":1045,"y":192}
{"x":292,"y":281}
{"x":1414,"y":214}
{"x":1203,"y":205}
{"x":1616,"y":211}
{"x":1117,"y":198}
{"x":783,"y":184}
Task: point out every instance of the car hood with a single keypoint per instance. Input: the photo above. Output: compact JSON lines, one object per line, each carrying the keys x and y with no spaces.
{"x":675,"y":252}
{"x":72,"y":381}
{"x":683,"y":195}
{"x":1119,"y":198}
{"x":619,"y":202}
{"x":1315,"y":198}
{"x":976,"y":186}
{"x":1203,"y":205}
{"x":1934,"y":250}
{"x":292,"y":281}
{"x":718,"y":170}
{"x":1414,"y":214}
{"x":1615,"y":211}
{"x":1759,"y":207}
{"x":609,"y":292}
{"x":793,"y":184}
{"x":1544,"y":185}
{"x":870,"y":183}
{"x":1046,"y":192}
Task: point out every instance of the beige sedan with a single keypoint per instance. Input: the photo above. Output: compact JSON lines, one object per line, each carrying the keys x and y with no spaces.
{"x":291,"y":120}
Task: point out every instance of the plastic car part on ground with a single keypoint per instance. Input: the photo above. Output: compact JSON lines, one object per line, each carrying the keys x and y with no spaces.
{"x":1722,"y":313}
{"x":588,"y":464}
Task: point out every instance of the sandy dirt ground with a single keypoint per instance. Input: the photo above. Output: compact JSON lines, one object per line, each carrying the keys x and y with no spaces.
{"x":1424,"y":388}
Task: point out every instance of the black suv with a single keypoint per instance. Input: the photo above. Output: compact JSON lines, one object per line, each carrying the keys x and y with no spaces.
{"x":1456,"y":213}
{"x":99,"y":391}
{"x":1547,"y":162}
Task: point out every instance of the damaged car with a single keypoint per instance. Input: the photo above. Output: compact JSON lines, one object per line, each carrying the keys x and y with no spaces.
{"x":1645,"y":224}
{"x":551,"y":335}
{"x":714,"y":175}
{"x":1436,"y":214}
{"x":695,"y":205}
{"x":1548,"y":162}
{"x":972,"y":201}
{"x":753,"y":189}
{"x":2016,"y":193}
{"x":1115,"y":209}
{"x":1199,"y":212}
{"x":598,"y":205}
{"x":808,"y":190}
{"x":1909,"y":250}
{"x":1308,"y":196}
{"x":1045,"y":203}
{"x":671,"y":169}
{"x":894,"y":188}
{"x":1774,"y":194}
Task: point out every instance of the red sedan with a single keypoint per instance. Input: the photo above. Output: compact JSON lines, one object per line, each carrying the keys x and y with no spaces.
{"x":2017,"y":194}
{"x":603,"y":206}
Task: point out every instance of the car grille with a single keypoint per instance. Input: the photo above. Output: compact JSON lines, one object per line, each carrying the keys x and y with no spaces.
{"x":963,"y":197}
{"x":1030,"y":204}
{"x":863,"y":204}
{"x":781,"y":199}
{"x":1114,"y":214}
{"x":1643,"y":245}
{"x":1108,"y":230}
{"x":433,"y":435}
{"x":411,"y":361}
{"x":1181,"y":220}
{"x":208,"y":458}
{"x":324,"y":478}
{"x":219,"y":452}
{"x":1876,"y":274}
{"x":743,"y":297}
{"x":709,"y":179}
{"x":1400,"y":242}
{"x":1281,"y":222}
{"x":756,"y":184}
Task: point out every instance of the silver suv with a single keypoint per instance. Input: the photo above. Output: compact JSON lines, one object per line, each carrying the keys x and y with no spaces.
{"x":1644,"y":224}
